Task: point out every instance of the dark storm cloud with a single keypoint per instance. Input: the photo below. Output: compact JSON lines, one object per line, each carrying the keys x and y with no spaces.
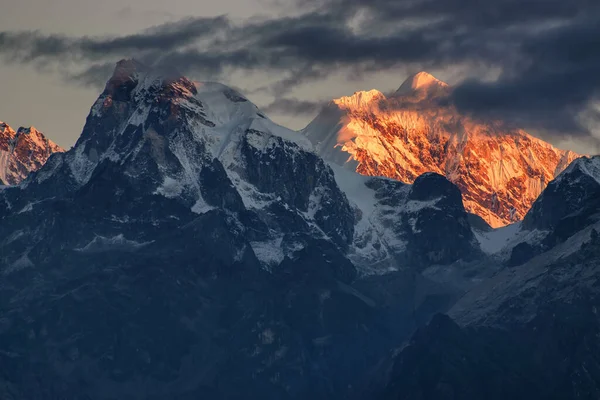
{"x":556,"y":78}
{"x":94,"y":75}
{"x":331,"y":45}
{"x":546,"y":50}
{"x":309,"y":41}
{"x":463,"y":13}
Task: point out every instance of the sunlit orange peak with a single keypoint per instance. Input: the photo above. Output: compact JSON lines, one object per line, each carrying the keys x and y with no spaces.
{"x":419,"y":81}
{"x":359,"y":99}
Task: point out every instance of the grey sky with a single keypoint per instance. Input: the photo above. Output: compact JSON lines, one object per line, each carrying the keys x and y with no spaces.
{"x":299,"y":53}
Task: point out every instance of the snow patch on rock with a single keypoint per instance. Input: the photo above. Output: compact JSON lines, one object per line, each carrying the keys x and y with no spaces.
{"x":201,"y":207}
{"x":115,"y":243}
{"x":21,"y":263}
{"x":269,"y":253}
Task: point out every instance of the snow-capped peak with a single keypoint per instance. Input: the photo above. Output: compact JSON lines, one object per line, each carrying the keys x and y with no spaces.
{"x":147,"y":112}
{"x":214,"y":109}
{"x":421,"y":81}
{"x":500,"y":170}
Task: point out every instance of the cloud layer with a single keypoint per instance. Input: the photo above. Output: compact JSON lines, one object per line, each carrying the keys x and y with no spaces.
{"x":546,"y":50}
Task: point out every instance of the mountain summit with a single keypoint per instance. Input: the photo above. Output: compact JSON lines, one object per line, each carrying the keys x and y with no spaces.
{"x":499,"y":170}
{"x":421,"y":81}
{"x":21,"y":152}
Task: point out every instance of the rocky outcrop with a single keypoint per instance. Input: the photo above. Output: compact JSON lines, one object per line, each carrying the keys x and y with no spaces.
{"x":441,"y":233}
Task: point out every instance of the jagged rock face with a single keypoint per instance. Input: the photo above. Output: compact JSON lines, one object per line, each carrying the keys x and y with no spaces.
{"x":499,"y":170}
{"x":21,"y":152}
{"x":188,"y":247}
{"x":302,"y":181}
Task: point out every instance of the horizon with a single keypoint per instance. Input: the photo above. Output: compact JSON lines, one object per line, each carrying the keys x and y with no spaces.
{"x":301,"y":122}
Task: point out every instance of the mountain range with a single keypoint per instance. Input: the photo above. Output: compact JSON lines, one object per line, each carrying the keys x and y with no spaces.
{"x":188,"y":247}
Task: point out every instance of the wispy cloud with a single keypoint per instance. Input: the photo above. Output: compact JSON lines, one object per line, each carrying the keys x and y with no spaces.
{"x":294,"y":106}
